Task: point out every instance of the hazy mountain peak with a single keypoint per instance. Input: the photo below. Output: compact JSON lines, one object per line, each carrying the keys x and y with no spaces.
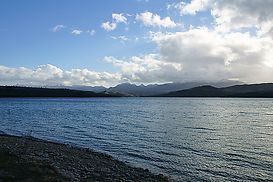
{"x":155,"y":89}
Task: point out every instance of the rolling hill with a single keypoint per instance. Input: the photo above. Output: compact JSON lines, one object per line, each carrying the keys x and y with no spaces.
{"x":14,"y":91}
{"x":263,"y":90}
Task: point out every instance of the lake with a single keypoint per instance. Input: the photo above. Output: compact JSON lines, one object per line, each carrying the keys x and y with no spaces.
{"x":189,"y":139}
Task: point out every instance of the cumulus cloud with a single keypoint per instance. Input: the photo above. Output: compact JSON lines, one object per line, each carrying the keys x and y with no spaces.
{"x":245,"y":13}
{"x":121,"y":38}
{"x":58,"y":28}
{"x":150,"y":19}
{"x":208,"y":54}
{"x":119,"y":18}
{"x":76,"y":32}
{"x":193,"y":55}
{"x":201,"y":54}
{"x":116,"y":19}
{"x":49,"y":75}
{"x":73,"y":31}
{"x":232,"y":15}
{"x":193,"y":7}
{"x":238,"y":46}
{"x":91,"y":32}
{"x":225,"y":51}
{"x":146,"y":69}
{"x":108,"y":26}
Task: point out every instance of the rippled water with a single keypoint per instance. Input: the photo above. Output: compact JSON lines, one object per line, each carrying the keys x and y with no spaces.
{"x":189,"y":139}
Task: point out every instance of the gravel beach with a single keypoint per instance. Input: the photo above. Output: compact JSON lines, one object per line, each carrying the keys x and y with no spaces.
{"x":32,"y":159}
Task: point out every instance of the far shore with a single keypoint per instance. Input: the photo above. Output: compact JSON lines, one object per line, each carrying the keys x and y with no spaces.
{"x":25,"y":158}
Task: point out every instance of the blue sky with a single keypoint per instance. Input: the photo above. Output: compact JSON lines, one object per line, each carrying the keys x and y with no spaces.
{"x":27,"y":39}
{"x":134,"y":50}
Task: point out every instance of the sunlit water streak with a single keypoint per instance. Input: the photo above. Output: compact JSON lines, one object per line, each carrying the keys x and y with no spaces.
{"x":188,"y":139}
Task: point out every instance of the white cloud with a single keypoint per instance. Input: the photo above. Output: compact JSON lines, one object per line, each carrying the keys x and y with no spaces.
{"x":108,"y":26}
{"x":150,"y":19}
{"x":76,"y":32}
{"x":124,"y":38}
{"x":73,"y":31}
{"x":230,"y":15}
{"x":201,"y":54}
{"x":91,"y":32}
{"x":193,"y":7}
{"x":119,"y":18}
{"x":58,"y":28}
{"x":226,"y":51}
{"x":238,"y":46}
{"x":208,"y":54}
{"x":116,"y":19}
{"x":121,"y":38}
{"x":192,"y":55}
{"x":143,"y":1}
{"x":233,"y":15}
{"x":146,"y":69}
{"x":49,"y":75}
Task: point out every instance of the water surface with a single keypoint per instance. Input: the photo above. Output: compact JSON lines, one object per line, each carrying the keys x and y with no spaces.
{"x":188,"y":139}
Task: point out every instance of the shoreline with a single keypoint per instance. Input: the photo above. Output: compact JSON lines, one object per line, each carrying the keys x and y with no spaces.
{"x":27,"y":158}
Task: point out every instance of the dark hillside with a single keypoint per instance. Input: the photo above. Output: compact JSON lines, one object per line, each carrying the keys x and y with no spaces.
{"x":264,"y":90}
{"x":13,"y":91}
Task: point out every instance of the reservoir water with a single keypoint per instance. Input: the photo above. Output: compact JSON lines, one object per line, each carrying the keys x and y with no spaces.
{"x":188,"y":139}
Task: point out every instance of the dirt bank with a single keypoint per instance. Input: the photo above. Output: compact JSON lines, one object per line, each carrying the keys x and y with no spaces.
{"x":31,"y":159}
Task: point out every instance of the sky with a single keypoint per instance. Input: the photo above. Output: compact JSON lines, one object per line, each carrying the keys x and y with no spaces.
{"x":107,"y":42}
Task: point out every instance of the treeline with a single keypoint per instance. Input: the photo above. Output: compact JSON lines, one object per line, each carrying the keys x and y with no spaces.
{"x":15,"y":91}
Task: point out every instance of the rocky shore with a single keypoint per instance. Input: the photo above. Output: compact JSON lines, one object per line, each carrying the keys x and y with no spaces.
{"x":31,"y":159}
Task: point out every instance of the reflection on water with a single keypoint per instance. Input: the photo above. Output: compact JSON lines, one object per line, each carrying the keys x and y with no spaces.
{"x":186,"y":138}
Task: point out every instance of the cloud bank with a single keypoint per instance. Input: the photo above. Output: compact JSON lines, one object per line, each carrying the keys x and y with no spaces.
{"x":238,"y":45}
{"x":49,"y":75}
{"x":208,"y":54}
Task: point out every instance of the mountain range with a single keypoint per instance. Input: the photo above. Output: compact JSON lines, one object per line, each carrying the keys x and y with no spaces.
{"x":129,"y":89}
{"x":190,"y":89}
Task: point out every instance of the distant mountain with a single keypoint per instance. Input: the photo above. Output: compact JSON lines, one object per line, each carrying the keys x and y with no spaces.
{"x":156,"y":89}
{"x":14,"y":91}
{"x":247,"y":90}
{"x":132,"y":89}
